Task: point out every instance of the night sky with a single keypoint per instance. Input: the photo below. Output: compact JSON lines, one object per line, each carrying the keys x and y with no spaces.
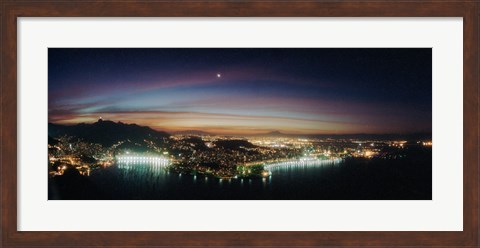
{"x":245,"y":91}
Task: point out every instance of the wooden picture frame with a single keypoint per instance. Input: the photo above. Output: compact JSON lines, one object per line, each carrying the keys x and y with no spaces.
{"x":11,"y":10}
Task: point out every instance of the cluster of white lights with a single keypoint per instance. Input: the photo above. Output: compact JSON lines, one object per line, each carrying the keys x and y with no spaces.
{"x":303,"y":162}
{"x":143,"y":159}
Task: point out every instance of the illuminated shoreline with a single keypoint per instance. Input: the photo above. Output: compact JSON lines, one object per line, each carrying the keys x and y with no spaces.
{"x":302,"y":162}
{"x":127,"y":162}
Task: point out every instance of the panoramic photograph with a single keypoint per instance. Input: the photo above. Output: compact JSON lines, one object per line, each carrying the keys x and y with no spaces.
{"x":239,"y":124}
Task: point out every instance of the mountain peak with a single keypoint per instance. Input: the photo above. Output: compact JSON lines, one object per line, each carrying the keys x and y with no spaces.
{"x":106,"y":132}
{"x":275,"y":132}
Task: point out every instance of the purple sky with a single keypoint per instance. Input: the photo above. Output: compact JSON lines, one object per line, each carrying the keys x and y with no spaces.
{"x":245,"y":91}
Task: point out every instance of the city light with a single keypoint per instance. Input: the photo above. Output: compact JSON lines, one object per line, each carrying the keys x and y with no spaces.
{"x":153,"y":160}
{"x":304,"y":162}
{"x":427,"y":143}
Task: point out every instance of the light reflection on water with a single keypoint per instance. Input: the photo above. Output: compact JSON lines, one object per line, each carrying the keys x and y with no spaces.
{"x":301,"y":164}
{"x":152,"y":180}
{"x":406,"y":178}
{"x":158,"y":168}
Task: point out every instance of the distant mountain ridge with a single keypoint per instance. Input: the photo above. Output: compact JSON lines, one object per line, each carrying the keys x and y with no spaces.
{"x":106,"y":132}
{"x":276,"y":134}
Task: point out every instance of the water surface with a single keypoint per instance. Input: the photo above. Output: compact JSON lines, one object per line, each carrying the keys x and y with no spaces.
{"x":349,"y":179}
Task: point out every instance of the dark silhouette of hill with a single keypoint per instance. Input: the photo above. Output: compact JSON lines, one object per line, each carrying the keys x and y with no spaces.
{"x":197,"y":142}
{"x":107,"y":133}
{"x":72,"y":186}
{"x":52,"y":141}
{"x":234,"y":144}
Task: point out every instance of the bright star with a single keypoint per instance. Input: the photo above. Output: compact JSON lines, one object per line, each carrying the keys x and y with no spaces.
{"x":219,"y":75}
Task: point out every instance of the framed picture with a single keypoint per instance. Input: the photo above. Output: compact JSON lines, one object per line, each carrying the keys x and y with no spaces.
{"x":239,"y":123}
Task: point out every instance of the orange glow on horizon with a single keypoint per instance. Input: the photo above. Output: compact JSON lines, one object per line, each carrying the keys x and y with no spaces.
{"x":221,"y":124}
